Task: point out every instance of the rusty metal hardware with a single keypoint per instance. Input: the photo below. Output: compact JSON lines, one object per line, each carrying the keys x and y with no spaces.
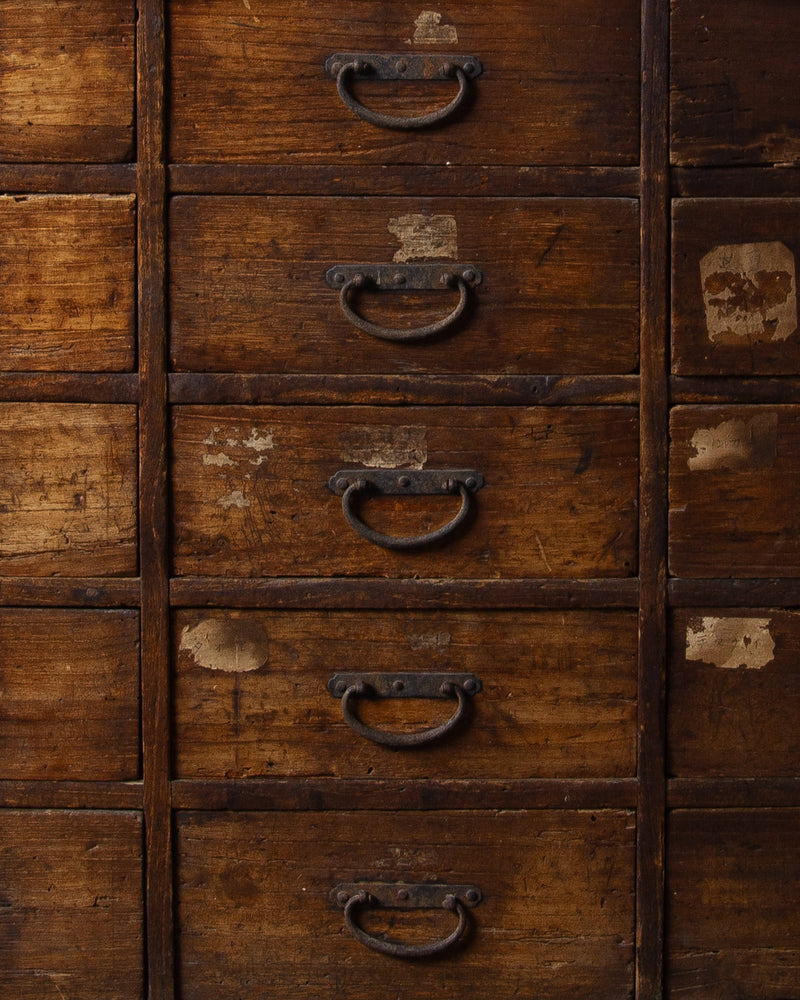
{"x":350,"y":278}
{"x":351,"y":686}
{"x":347,"y":66}
{"x":351,"y":896}
{"x":353,"y":483}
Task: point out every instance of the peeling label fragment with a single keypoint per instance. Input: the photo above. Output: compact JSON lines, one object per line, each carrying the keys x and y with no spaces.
{"x":234,"y":499}
{"x":385,"y":447}
{"x":734,"y":444}
{"x":424,"y":237}
{"x":219,"y":458}
{"x":749,"y":293}
{"x":232,"y":646}
{"x":429,"y":640}
{"x":730,"y":643}
{"x":429,"y":30}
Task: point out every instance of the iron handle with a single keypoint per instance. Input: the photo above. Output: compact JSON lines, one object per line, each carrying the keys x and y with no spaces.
{"x":400,"y":542}
{"x":344,"y":67}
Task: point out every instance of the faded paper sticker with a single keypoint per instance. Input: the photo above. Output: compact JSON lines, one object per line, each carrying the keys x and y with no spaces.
{"x":730,"y":643}
{"x":736,"y":444}
{"x":429,"y":30}
{"x":424,"y":237}
{"x":222,"y":644}
{"x":385,"y":447}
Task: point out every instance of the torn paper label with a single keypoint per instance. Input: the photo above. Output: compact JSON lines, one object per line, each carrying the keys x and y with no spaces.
{"x":424,"y":237}
{"x":735,"y":444}
{"x":429,"y":30}
{"x":730,"y":643}
{"x":385,"y":447}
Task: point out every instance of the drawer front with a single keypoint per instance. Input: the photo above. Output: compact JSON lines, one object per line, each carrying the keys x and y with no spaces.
{"x":734,"y":285}
{"x":69,"y":690}
{"x":733,"y":881}
{"x":559,"y":82}
{"x":67,"y":296}
{"x":734,"y":475}
{"x":557,"y":694}
{"x":734,"y":700}
{"x":67,"y":80}
{"x":734,"y":94}
{"x":559,"y":289}
{"x":71,"y":897}
{"x":68,"y":481}
{"x":555,"y":920}
{"x":251,"y":496}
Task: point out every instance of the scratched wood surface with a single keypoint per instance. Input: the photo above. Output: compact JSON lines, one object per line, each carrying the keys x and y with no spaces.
{"x":734,"y":285}
{"x":66,"y":80}
{"x":68,"y":484}
{"x":559,"y":292}
{"x":557,"y":699}
{"x":734,"y":491}
{"x":556,"y":919}
{"x":734,"y":98}
{"x":250,"y":495}
{"x":733,"y":883}
{"x":66,"y":299}
{"x":71,"y":898}
{"x":247,"y":82}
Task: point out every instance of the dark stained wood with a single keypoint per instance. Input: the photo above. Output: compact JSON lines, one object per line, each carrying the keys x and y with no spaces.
{"x":741,"y":593}
{"x":556,"y":918}
{"x":731,"y":793}
{"x":67,"y":489}
{"x":735,"y":182}
{"x":248,"y":85}
{"x":71,"y":897}
{"x":67,"y":178}
{"x":734,"y":491}
{"x":67,"y":296}
{"x":248,"y":290}
{"x":250,"y":496}
{"x":734,"y":99}
{"x":557,"y":699}
{"x":734,"y":390}
{"x":68,"y":388}
{"x":734,"y":287}
{"x":37,"y":794}
{"x":67,"y":81}
{"x":98,"y":592}
{"x":70,"y":705}
{"x":733,"y":881}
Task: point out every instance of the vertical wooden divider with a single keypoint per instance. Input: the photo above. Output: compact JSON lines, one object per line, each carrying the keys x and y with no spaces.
{"x":153,"y":509}
{"x":654,"y":297}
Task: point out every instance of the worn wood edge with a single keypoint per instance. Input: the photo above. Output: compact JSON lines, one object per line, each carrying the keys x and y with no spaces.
{"x":423,"y":179}
{"x":732,"y":793}
{"x":70,"y":794}
{"x":686,"y":389}
{"x":735,"y":182}
{"x":339,"y":593}
{"x":740,"y":593}
{"x":67,"y":178}
{"x":345,"y":793}
{"x":69,"y":592}
{"x":69,"y":387}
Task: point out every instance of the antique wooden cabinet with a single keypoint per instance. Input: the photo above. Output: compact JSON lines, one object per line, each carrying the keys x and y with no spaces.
{"x":399,"y":534}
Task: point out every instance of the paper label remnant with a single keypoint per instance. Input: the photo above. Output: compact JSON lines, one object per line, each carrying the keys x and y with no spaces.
{"x":735,"y":444}
{"x":234,"y":499}
{"x":424,"y":237}
{"x":429,"y":30}
{"x":232,"y":646}
{"x":730,"y":643}
{"x":429,"y":640}
{"x":385,"y":447}
{"x":749,"y":293}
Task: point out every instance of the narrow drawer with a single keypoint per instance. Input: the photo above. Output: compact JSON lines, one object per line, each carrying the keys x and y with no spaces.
{"x":560,"y":82}
{"x":67,"y":300}
{"x":68,"y":481}
{"x":558,"y":288}
{"x":555,"y":918}
{"x":734,"y":491}
{"x":733,"y":880}
{"x":734,"y":693}
{"x":70,"y":694}
{"x":734,"y":93}
{"x":72,"y":907}
{"x":251,"y":495}
{"x":556,"y":694}
{"x":67,"y":80}
{"x":734,"y":287}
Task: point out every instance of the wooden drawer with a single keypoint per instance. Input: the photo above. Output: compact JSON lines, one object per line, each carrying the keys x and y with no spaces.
{"x":734,"y":97}
{"x":559,"y":289}
{"x":67,"y":296}
{"x":734,"y":287}
{"x":68,"y":489}
{"x":734,"y":693}
{"x":557,"y":697}
{"x":555,"y":920}
{"x":67,"y":80}
{"x":72,"y":908}
{"x":559,"y":82}
{"x":251,"y":497}
{"x":733,"y":881}
{"x":69,"y":690}
{"x":734,"y":491}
